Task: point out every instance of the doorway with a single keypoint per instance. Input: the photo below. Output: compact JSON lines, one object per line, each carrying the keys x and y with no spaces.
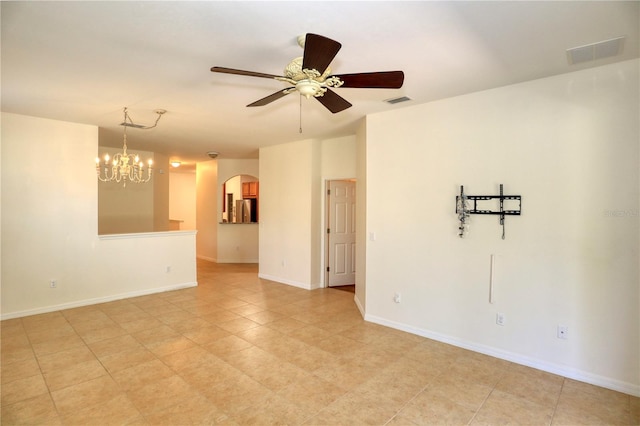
{"x":341,"y":233}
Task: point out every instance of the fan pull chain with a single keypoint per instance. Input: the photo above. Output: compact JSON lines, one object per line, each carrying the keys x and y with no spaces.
{"x":300,"y":113}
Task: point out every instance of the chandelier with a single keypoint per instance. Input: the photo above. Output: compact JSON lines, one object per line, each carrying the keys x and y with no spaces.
{"x":124,"y":166}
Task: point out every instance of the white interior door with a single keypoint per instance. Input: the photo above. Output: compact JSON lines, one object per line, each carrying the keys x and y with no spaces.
{"x":341,"y":233}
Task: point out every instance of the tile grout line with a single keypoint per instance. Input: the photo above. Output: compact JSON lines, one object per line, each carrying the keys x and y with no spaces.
{"x":157,"y":357}
{"x":49,"y":392}
{"x":412,"y":399}
{"x":184,"y":304}
{"x":405,"y":405}
{"x":124,"y":392}
{"x":555,"y":408}
{"x":481,"y":405}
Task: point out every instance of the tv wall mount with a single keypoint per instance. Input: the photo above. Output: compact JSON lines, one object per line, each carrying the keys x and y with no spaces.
{"x":467,"y":205}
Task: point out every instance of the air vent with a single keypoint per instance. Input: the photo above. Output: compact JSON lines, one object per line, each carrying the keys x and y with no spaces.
{"x":397,"y":100}
{"x":592,"y":52}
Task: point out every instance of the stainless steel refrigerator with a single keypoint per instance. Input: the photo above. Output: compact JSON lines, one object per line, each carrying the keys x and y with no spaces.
{"x":245,"y":211}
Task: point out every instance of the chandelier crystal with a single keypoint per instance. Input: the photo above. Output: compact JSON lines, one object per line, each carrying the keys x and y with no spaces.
{"x":124,"y":166}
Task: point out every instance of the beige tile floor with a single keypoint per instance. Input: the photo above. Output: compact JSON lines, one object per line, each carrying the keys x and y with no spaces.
{"x":240,"y":350}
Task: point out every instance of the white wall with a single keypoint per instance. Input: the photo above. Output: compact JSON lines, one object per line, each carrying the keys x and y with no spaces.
{"x":125,"y":209}
{"x":569,"y":145}
{"x":207,"y":194}
{"x":292,"y":206}
{"x":161,"y":193}
{"x":316,"y":232}
{"x":338,"y":158}
{"x":134,"y":207}
{"x":286,"y":199}
{"x":182,"y":199}
{"x":50,"y":227}
{"x":337,"y":161}
{"x":238,"y":243}
{"x":361,"y":216}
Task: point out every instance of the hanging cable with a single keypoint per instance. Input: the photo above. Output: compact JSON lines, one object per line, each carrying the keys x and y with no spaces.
{"x":300,"y":113}
{"x":128,"y":122}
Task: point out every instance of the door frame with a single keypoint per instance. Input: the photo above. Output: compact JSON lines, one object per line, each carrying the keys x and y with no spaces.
{"x":325,"y":225}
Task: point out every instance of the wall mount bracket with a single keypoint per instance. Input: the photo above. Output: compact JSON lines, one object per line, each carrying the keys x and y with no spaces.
{"x":467,"y":205}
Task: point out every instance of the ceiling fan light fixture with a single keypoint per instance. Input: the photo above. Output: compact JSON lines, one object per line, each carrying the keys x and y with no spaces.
{"x":309,"y":88}
{"x":310,"y":75}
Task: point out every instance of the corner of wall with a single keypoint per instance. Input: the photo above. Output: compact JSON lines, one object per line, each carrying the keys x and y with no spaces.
{"x":361,"y":216}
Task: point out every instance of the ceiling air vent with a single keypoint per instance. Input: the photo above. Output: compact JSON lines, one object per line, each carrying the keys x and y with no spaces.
{"x":397,"y":100}
{"x":592,"y":52}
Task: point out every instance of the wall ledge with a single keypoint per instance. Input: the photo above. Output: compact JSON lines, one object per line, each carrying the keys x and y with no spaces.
{"x":146,"y":235}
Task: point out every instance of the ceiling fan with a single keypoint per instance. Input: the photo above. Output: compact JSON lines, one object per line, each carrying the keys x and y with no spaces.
{"x":310,"y":75}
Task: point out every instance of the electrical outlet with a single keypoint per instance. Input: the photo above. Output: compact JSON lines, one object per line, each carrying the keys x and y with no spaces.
{"x":397,"y":298}
{"x":500,"y":319}
{"x":53,"y":284}
{"x":563,"y":332}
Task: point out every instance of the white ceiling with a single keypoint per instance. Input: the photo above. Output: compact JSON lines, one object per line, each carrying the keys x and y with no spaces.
{"x":84,"y":61}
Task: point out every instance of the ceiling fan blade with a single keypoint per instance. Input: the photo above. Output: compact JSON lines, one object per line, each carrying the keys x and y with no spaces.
{"x":373,"y":80}
{"x":333,"y":101}
{"x":273,"y":97}
{"x":242,"y":72}
{"x":319,"y":51}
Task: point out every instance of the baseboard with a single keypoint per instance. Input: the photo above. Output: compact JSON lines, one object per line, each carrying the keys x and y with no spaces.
{"x":237,"y":261}
{"x":284,"y":281}
{"x":571,"y":373}
{"x":95,"y":301}
{"x":316,"y":286}
{"x":359,"y":306}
